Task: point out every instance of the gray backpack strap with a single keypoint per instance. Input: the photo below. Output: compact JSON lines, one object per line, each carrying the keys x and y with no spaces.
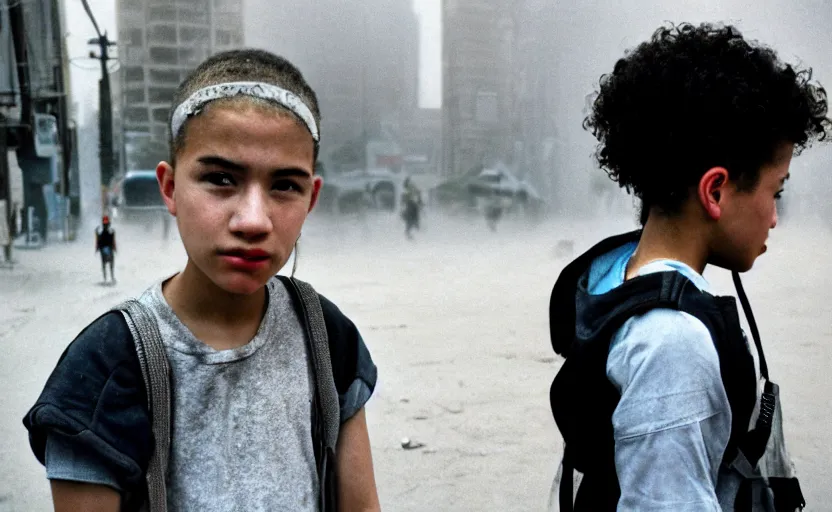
{"x":327,"y":393}
{"x":156,"y":373}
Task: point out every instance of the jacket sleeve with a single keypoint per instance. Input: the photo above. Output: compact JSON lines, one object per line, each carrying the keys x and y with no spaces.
{"x":352,"y":366}
{"x":673,"y":422}
{"x":95,"y":401}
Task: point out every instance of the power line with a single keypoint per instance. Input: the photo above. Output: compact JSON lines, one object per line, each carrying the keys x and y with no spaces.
{"x":92,"y":17}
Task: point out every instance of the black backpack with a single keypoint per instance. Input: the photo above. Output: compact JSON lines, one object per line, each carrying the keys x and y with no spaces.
{"x":583,"y":399}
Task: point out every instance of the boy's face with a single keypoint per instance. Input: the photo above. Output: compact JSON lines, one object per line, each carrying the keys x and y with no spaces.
{"x":241,"y":191}
{"x":748,"y":215}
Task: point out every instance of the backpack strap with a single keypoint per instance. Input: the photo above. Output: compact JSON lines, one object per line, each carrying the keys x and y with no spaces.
{"x":326,"y":392}
{"x":670,"y":290}
{"x":156,"y":373}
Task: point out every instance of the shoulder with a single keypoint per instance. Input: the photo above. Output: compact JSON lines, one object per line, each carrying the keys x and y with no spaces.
{"x":662,"y":332}
{"x":96,"y":396}
{"x":103,"y":345}
{"x":353,"y":369}
{"x":661,"y":338}
{"x":347,"y":348}
{"x":665,"y":365}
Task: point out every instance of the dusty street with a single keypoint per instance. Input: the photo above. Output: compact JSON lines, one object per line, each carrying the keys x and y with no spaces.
{"x":457,"y":324}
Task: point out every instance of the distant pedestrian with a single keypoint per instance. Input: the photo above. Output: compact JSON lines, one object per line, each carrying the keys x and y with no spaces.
{"x":494,"y":207}
{"x":411,"y":207}
{"x":105,"y":245}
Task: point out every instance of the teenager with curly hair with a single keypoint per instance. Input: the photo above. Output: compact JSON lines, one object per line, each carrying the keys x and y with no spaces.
{"x":662,"y":403}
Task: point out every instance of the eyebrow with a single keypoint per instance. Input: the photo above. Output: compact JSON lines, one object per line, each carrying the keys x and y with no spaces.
{"x":224,"y":163}
{"x":785,"y":178}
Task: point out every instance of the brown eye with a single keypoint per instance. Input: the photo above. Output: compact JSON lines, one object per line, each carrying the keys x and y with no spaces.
{"x":285,"y":186}
{"x":220,"y":179}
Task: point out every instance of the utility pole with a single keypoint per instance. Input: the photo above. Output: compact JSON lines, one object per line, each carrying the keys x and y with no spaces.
{"x":105,"y":108}
{"x":26,"y":133}
{"x":6,"y":190}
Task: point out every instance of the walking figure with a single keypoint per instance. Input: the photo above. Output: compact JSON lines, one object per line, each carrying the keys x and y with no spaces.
{"x":411,"y":207}
{"x":105,"y":244}
{"x":494,"y":208}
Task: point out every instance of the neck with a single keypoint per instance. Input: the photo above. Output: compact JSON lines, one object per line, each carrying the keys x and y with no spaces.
{"x":672,"y":238}
{"x":194,"y":297}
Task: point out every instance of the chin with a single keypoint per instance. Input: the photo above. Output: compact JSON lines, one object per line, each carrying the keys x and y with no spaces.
{"x":241,"y":284}
{"x":732,"y":265}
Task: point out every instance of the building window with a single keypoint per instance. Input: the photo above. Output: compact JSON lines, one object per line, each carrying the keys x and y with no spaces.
{"x":133,"y":37}
{"x":191,"y":56}
{"x":164,"y":55}
{"x":134,"y":74}
{"x":164,"y":76}
{"x":227,"y":5}
{"x":134,"y":55}
{"x":134,"y":96}
{"x":160,"y":115}
{"x":135,"y":115}
{"x":161,"y":94}
{"x":162,"y":13}
{"x":193,"y":35}
{"x":195,"y":16}
{"x":164,"y":34}
{"x":223,"y":37}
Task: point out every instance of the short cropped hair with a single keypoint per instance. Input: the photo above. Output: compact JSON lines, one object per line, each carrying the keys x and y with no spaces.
{"x":244,"y":65}
{"x":696,"y":97}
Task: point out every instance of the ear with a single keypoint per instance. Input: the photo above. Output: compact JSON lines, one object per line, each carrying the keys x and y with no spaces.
{"x":317,"y":183}
{"x":711,"y":191}
{"x":164,"y":175}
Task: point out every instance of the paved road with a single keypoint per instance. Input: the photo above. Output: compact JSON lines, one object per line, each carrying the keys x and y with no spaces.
{"x":457,"y":323}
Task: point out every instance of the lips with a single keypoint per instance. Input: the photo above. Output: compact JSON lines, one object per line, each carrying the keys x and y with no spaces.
{"x":248,"y":254}
{"x":246,"y":259}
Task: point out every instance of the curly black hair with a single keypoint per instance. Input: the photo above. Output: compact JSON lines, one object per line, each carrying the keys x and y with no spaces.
{"x":696,"y":97}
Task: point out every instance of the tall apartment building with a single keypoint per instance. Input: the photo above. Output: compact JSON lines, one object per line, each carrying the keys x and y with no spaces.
{"x":477,"y":81}
{"x":160,"y":42}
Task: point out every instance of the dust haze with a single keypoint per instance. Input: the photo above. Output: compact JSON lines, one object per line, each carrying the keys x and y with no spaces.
{"x":456,"y":318}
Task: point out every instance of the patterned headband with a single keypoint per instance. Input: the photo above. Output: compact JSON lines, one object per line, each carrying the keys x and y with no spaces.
{"x":194,"y":104}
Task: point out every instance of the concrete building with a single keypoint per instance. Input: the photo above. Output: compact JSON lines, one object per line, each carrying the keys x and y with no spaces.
{"x":477,"y":81}
{"x":535,"y":86}
{"x":362,"y":60}
{"x":34,"y":115}
{"x":160,"y":42}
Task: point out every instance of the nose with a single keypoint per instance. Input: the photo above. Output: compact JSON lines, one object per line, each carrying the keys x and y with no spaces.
{"x":774,"y":219}
{"x":251,"y":218}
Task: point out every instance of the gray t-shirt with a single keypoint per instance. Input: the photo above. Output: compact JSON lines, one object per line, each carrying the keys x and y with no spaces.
{"x":242,"y":418}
